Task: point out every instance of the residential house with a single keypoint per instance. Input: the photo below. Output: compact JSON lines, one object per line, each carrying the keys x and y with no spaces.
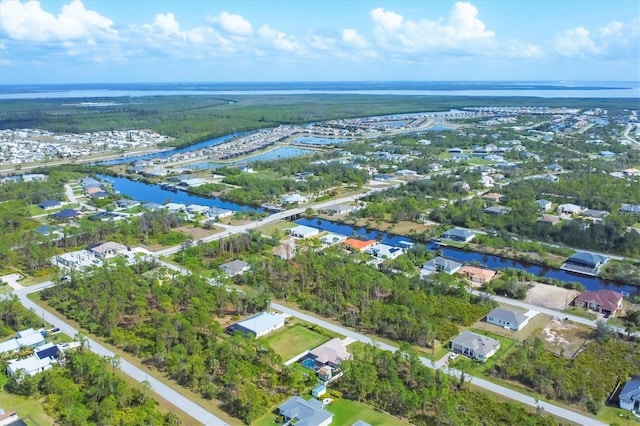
{"x":359,"y":245}
{"x":10,"y":417}
{"x":301,"y":412}
{"x":605,"y":301}
{"x":406,"y":172}
{"x":570,"y":209}
{"x":497,"y":210}
{"x":49,"y":230}
{"x":197,"y":209}
{"x":549,"y":219}
{"x":629,"y":397}
{"x":319,"y":391}
{"x":127,"y":204}
{"x":543,"y":205}
{"x":258,"y":325}
{"x":107,"y":250}
{"x":330,"y":239}
{"x":235,"y":267}
{"x":90,"y":183}
{"x":441,"y":264}
{"x":630,"y":208}
{"x":585,"y":263}
{"x":458,"y":235}
{"x":28,"y":338}
{"x":339,"y":209}
{"x":384,"y":251}
{"x":302,"y":231}
{"x":286,"y":250}
{"x":595,"y":215}
{"x":477,"y":275}
{"x":293,"y":199}
{"x":493,"y":196}
{"x":475,"y":346}
{"x":507,"y":319}
{"x":93,"y":190}
{"x":65,"y":214}
{"x":50,"y":204}
{"x":326,"y":359}
{"x":632,"y":172}
{"x":607,"y":154}
{"x":31,"y":365}
{"x":218,"y":213}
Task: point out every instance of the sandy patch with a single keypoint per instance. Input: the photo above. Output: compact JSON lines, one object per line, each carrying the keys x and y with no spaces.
{"x":564,"y":336}
{"x":550,"y":296}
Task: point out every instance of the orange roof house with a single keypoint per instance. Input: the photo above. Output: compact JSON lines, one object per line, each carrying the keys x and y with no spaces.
{"x":355,"y":244}
{"x":477,"y":275}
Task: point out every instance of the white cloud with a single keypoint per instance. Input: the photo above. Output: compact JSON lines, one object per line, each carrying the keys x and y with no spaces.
{"x":517,"y":49}
{"x":167,"y":24}
{"x":462,"y":32}
{"x":232,"y":24}
{"x":575,"y":42}
{"x":350,"y":37}
{"x":613,"y":38}
{"x":29,"y":22}
{"x":278,"y":40}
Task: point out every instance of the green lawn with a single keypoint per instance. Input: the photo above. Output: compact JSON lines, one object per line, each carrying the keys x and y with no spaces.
{"x":580,"y":312}
{"x":347,"y":412}
{"x":29,"y":410}
{"x":292,"y":340}
{"x":478,"y":368}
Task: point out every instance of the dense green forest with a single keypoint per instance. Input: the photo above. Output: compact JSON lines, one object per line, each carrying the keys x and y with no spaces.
{"x":84,"y":391}
{"x":169,"y":321}
{"x":87,"y":391}
{"x":400,"y":384}
{"x":583,"y":380}
{"x":384,"y":303}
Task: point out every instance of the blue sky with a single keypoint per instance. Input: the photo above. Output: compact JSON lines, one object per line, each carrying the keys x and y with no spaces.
{"x":205,"y":41}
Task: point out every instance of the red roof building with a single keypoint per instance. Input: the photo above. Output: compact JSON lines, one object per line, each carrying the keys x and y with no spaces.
{"x":605,"y":301}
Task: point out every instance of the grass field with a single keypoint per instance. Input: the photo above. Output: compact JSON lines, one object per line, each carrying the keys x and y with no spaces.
{"x":580,"y":312}
{"x":292,"y":340}
{"x":346,"y":412}
{"x":29,"y":410}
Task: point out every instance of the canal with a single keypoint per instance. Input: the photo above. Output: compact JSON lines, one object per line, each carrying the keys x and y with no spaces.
{"x":460,"y":255}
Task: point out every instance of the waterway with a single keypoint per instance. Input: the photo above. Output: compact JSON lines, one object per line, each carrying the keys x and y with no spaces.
{"x":154,"y":193}
{"x":493,"y":262}
{"x":278,"y":153}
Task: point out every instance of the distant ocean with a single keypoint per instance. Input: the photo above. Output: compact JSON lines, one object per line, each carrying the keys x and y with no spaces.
{"x":543,"y":89}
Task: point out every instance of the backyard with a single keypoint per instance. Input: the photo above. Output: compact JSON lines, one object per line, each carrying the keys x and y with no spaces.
{"x":293,"y":340}
{"x":29,"y":410}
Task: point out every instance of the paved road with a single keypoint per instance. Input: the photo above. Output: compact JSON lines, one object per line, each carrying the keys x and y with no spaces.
{"x":500,"y":390}
{"x":185,"y":404}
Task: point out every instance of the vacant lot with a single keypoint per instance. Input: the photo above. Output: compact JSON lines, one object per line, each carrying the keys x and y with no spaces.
{"x":549,"y":296}
{"x":559,"y":336}
{"x":292,"y":340}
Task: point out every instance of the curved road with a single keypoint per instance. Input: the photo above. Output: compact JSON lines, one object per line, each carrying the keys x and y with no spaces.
{"x":500,"y":390}
{"x":180,"y":401}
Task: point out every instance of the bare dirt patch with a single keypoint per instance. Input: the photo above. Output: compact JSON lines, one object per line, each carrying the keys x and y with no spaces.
{"x":564,"y":336}
{"x":549,"y":296}
{"x":197,"y":233}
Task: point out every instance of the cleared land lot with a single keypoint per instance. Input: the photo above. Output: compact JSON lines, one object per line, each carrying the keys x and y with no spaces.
{"x":551,"y":297}
{"x":564,"y":336}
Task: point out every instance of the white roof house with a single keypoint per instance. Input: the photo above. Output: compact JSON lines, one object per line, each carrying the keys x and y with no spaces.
{"x":569,"y":208}
{"x":108,"y":249}
{"x":28,"y":338}
{"x":31,"y":365}
{"x":235,"y":267}
{"x":384,"y":251}
{"x":293,"y":199}
{"x":259,"y":325}
{"x":302,"y":231}
{"x":507,"y":319}
{"x":196,"y":208}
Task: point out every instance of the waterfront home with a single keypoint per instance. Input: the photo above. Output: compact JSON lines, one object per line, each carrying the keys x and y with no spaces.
{"x":475,"y":346}
{"x":585,"y":263}
{"x":458,"y":235}
{"x":258,"y":325}
{"x":507,"y":319}
{"x":442,"y":264}
{"x":303,"y":232}
{"x":604,"y":301}
{"x":477,"y":275}
{"x":127,"y":204}
{"x":355,"y":244}
{"x":293,"y":199}
{"x":384,"y":251}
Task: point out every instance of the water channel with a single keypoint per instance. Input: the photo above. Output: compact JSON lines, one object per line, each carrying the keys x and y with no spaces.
{"x":154,"y":193}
